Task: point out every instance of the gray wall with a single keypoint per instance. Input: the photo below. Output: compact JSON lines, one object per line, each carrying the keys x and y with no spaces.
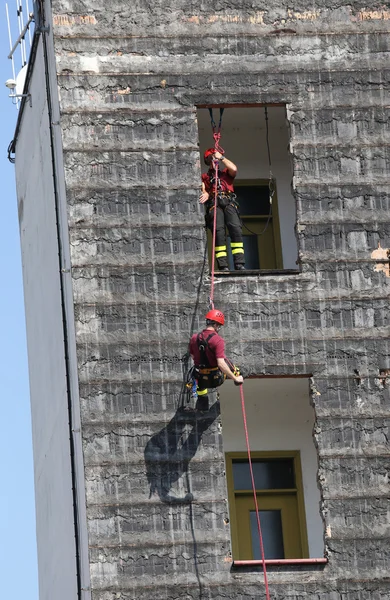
{"x":129,"y":78}
{"x":45,"y":340}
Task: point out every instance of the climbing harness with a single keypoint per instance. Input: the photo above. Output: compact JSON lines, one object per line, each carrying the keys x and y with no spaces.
{"x":203,"y":345}
{"x":204,"y":376}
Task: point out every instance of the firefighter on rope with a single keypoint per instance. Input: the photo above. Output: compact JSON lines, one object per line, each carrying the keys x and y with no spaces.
{"x":207,"y":350}
{"x":227,"y":209}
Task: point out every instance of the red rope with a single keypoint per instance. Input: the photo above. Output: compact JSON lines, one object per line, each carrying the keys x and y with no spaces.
{"x":217,"y":148}
{"x":254,"y":492}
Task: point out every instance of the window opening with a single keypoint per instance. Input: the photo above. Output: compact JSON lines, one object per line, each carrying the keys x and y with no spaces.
{"x":280,"y":421}
{"x":244,"y":141}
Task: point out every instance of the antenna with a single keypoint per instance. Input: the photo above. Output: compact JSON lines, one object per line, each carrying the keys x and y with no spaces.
{"x":19,"y":67}
{"x":10,"y":41}
{"x":29,"y":31}
{"x":19,"y":13}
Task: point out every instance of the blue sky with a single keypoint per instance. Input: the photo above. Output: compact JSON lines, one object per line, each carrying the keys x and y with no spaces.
{"x":18,"y":562}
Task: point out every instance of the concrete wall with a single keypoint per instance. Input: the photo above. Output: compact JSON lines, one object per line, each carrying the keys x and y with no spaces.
{"x":45,"y":341}
{"x":279,"y":417}
{"x":130,"y":77}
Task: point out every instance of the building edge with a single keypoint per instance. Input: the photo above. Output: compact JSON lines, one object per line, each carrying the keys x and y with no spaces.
{"x":44,"y":37}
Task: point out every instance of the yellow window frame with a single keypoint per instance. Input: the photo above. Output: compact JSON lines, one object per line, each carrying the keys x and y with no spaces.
{"x":289,"y":501}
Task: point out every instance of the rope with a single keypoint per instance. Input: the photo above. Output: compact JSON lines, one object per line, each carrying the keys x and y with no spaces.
{"x":265,"y":226}
{"x":186,"y":357}
{"x":254,"y":493}
{"x":217,"y":137}
{"x":271,"y":183}
{"x":215,"y":165}
{"x":213,"y":124}
{"x":217,"y":148}
{"x":267,"y":140}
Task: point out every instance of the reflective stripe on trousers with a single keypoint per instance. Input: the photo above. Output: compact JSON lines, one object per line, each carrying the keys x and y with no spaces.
{"x":220,"y":251}
{"x":202,"y":392}
{"x":237,"y":247}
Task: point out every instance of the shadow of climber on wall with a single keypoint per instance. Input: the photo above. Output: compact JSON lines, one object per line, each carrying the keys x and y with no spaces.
{"x":169,"y":452}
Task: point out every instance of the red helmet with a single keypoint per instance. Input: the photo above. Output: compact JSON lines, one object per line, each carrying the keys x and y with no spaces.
{"x":208,"y":153}
{"x":216,"y":315}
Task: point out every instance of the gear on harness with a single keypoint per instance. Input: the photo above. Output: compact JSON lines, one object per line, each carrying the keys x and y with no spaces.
{"x":235,"y":369}
{"x":224,"y":197}
{"x":199,"y":397}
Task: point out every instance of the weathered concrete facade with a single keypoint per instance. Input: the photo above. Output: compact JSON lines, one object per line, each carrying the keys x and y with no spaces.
{"x":130,"y":76}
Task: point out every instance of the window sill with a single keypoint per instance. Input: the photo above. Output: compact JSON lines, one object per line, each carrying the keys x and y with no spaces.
{"x":261,"y":272}
{"x":280,"y":562}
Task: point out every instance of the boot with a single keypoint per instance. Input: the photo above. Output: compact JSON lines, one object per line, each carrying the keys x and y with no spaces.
{"x":202,"y":404}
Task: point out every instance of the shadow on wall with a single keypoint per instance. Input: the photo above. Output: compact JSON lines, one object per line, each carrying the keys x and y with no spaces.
{"x":168,"y":452}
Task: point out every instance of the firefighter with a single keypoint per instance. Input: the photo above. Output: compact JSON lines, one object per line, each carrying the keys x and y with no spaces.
{"x":207,"y":349}
{"x":227,"y":210}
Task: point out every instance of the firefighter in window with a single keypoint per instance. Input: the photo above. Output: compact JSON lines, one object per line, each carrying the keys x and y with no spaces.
{"x":207,"y":349}
{"x":227,"y":210}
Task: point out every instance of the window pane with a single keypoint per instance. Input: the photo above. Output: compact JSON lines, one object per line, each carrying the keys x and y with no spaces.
{"x":269,"y":475}
{"x":253,"y":199}
{"x":271,"y":531}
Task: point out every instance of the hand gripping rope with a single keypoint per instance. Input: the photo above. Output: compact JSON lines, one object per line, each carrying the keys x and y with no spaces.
{"x":217,"y":147}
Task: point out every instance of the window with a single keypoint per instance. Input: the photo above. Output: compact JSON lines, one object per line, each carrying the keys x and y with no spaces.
{"x":280,"y":419}
{"x":279,"y":493}
{"x":268,"y":231}
{"x":260,"y":224}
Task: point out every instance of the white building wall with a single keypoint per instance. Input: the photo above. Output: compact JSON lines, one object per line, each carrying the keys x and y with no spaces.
{"x":279,"y":417}
{"x":45,"y":340}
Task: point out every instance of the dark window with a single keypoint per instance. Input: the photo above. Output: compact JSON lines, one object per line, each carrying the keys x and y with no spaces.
{"x":278,"y":485}
{"x":272,"y":534}
{"x":268,"y":475}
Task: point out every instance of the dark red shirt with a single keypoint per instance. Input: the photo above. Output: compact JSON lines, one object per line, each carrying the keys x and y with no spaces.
{"x":216,"y":347}
{"x":226,"y":181}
